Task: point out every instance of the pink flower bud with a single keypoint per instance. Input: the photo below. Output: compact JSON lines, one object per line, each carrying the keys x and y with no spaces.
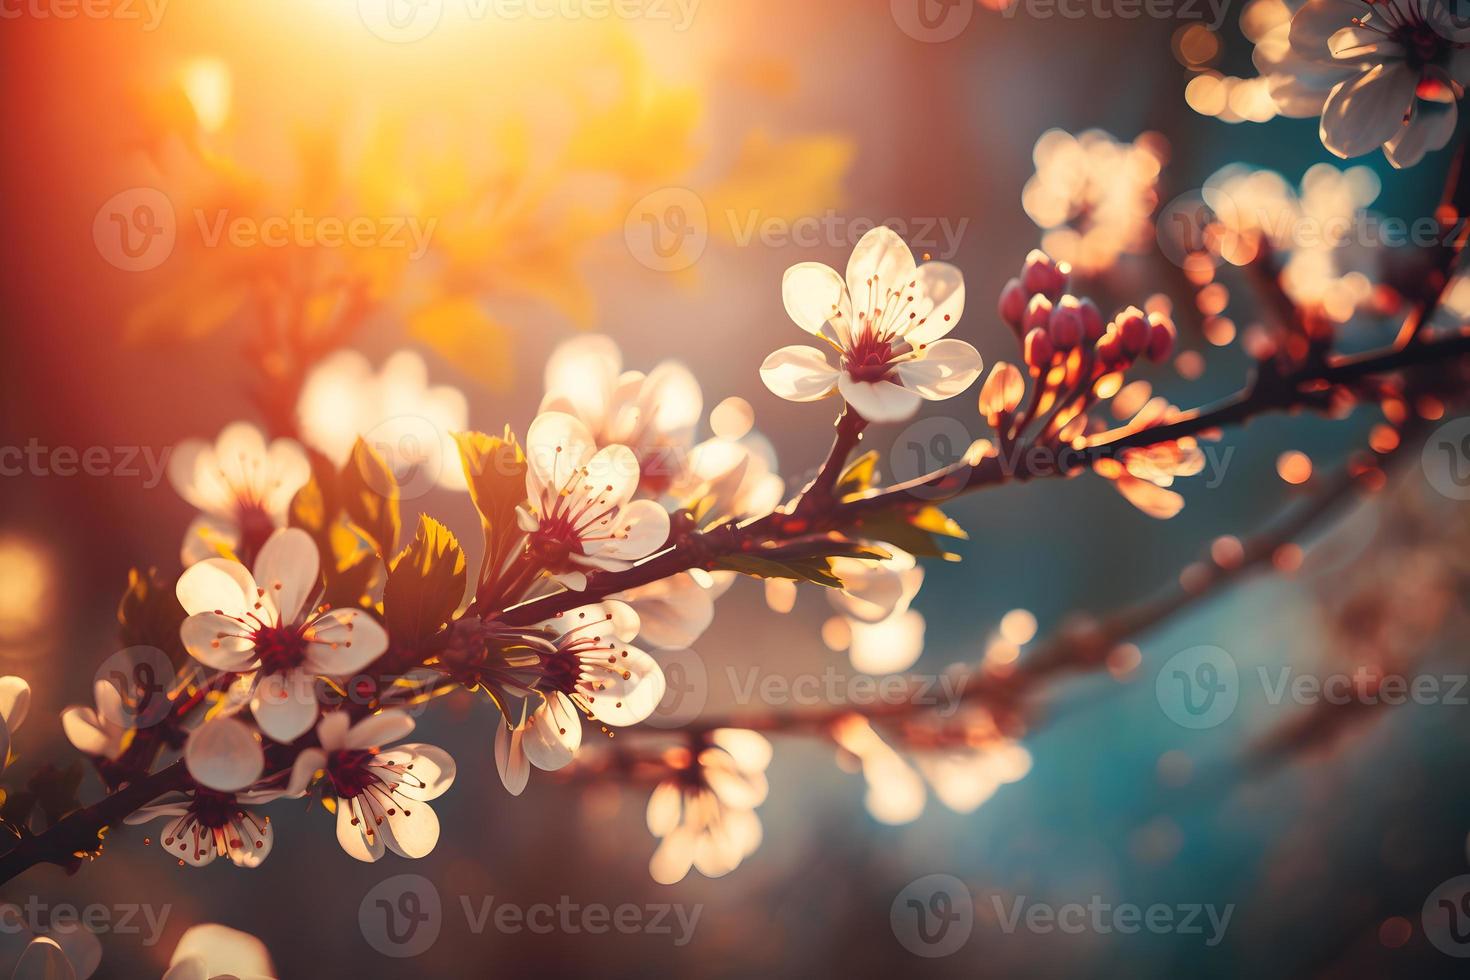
{"x":1161,"y":335}
{"x":1133,"y":330}
{"x":1038,"y":349}
{"x":1066,"y":324}
{"x":1038,"y":314}
{"x":1003,"y":390}
{"x":1038,"y":275}
{"x":1110,"y":350}
{"x":1092,"y":321}
{"x":1013,"y":303}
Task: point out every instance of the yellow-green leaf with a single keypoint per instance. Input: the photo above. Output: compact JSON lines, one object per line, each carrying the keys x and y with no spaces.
{"x":425,"y":585}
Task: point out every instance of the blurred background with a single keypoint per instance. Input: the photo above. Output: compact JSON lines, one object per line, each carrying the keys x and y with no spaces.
{"x":650,"y":176}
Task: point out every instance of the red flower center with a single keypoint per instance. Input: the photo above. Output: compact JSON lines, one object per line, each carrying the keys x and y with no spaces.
{"x":869,"y":358}
{"x":350,"y":772}
{"x":214,"y":810}
{"x":555,"y":541}
{"x":280,"y":648}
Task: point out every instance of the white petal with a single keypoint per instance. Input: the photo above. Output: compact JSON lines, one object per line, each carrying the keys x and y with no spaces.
{"x":83,"y":730}
{"x":411,"y":831}
{"x":1429,"y":128}
{"x":880,"y":261}
{"x":224,"y":754}
{"x":287,"y":569}
{"x":939,"y":300}
{"x":943,"y":369}
{"x":889,"y":646}
{"x":815,"y":294}
{"x":225,"y":950}
{"x":630,"y":699}
{"x":354,"y":837}
{"x":664,"y":807}
{"x":333,"y":729}
{"x":799,"y":374}
{"x":510,"y":760}
{"x":15,"y":701}
{"x":673,"y":612}
{"x":256,"y":841}
{"x":612,"y":477}
{"x":379,"y":730}
{"x":1363,"y":113}
{"x":217,"y":641}
{"x":285,"y":705}
{"x":217,"y":584}
{"x":670,"y":398}
{"x":879,"y":401}
{"x":640,"y":529}
{"x":303,"y":769}
{"x":552,"y":734}
{"x":432,"y":772}
{"x":209,"y":537}
{"x":581,"y":376}
{"x":344,"y":641}
{"x":557,"y":444}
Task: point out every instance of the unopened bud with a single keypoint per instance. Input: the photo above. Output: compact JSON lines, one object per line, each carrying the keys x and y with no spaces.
{"x":1110,"y":350}
{"x":1092,"y":321}
{"x":1038,"y":349}
{"x":1038,"y":275}
{"x":1038,"y":314}
{"x":1161,"y":336}
{"x":1066,"y":324}
{"x":1013,"y":303}
{"x":1133,"y":331}
{"x":1003,"y":390}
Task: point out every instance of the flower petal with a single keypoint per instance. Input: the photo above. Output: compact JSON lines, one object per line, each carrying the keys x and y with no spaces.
{"x":433,"y":770}
{"x":379,"y":730}
{"x":1365,"y":112}
{"x":356,"y":833}
{"x":285,"y":705}
{"x":43,"y":960}
{"x":218,"y":584}
{"x":799,"y":374}
{"x":581,"y":376}
{"x":411,"y":831}
{"x":641,"y":528}
{"x":881,"y":261}
{"x":939,"y":300}
{"x":224,"y":754}
{"x":815,"y":295}
{"x":557,"y":444}
{"x":288,"y":569}
{"x":889,"y":646}
{"x":1429,"y":128}
{"x":631,"y":694}
{"x":15,"y":701}
{"x":510,"y":760}
{"x":942,"y":370}
{"x":552,"y":734}
{"x":217,"y":641}
{"x":224,"y":950}
{"x":344,"y":641}
{"x":879,"y":401}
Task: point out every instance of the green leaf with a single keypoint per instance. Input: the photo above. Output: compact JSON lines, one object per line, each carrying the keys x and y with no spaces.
{"x":149,"y":615}
{"x":425,"y":585}
{"x":316,"y":506}
{"x":858,"y":476}
{"x":495,"y":469}
{"x":369,"y":494}
{"x":914,"y":533}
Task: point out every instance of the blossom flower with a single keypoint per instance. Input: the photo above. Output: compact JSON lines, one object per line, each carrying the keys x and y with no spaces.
{"x":1093,"y":195}
{"x":382,"y":795}
{"x":591,"y":671}
{"x":207,"y":824}
{"x":653,"y":414}
{"x":893,"y":355}
{"x":408,"y":421}
{"x":881,"y":633}
{"x":1379,"y":72}
{"x":243,"y":487}
{"x":209,"y":951}
{"x":964,"y":765}
{"x":98,"y":731}
{"x":264,"y":624}
{"x":1144,"y":474}
{"x":581,"y":513}
{"x":705,"y":813}
{"x":15,"y":704}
